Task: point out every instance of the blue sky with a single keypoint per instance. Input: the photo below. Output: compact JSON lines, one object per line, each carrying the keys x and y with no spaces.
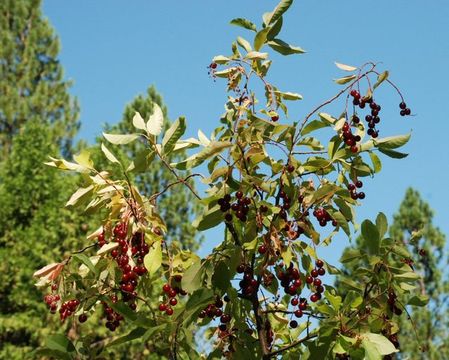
{"x":113,"y":50}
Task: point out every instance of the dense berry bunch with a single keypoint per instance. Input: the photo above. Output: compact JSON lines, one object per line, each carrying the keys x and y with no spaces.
{"x":404,"y":109}
{"x":52,"y":302}
{"x":248,"y":285}
{"x":290,"y":280}
{"x":113,"y":318}
{"x":349,"y":138}
{"x":240,"y":207}
{"x":169,"y":293}
{"x":323,"y":217}
{"x":316,"y":283}
{"x":214,"y":310}
{"x":68,"y":308}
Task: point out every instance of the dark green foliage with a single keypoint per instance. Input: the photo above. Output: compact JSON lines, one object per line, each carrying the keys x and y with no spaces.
{"x":34,"y":231}
{"x":413,"y":228}
{"x":31,"y":77}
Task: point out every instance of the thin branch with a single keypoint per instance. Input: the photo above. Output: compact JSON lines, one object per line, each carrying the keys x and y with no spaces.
{"x":290,"y":346}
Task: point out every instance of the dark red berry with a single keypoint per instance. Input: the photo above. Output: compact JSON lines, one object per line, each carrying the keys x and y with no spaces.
{"x":321,"y":271}
{"x":298,"y":313}
{"x":361,"y":195}
{"x":162,"y":307}
{"x":314,"y":298}
{"x":359,"y":184}
{"x":314,"y":273}
{"x":262,"y":249}
{"x":293,"y":324}
{"x":169,"y":311}
{"x":82,"y":318}
{"x":402,"y":105}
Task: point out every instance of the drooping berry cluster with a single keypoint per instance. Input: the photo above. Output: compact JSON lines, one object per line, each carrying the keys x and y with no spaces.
{"x":404,"y":109}
{"x":285,"y":205}
{"x":248,"y":285}
{"x":213,"y":310}
{"x":392,"y":303}
{"x":313,"y":280}
{"x":52,"y":302}
{"x":373,"y":119}
{"x":239,"y":207}
{"x":323,"y":217}
{"x":349,"y":138}
{"x":353,"y":190}
{"x":301,"y":304}
{"x":290,"y":279}
{"x":112,"y":317}
{"x":68,"y":308}
{"x":170,"y":293}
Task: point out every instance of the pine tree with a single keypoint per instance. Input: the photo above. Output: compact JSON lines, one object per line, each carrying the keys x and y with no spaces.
{"x":427,"y":336}
{"x":31,"y":77}
{"x":33,"y":232}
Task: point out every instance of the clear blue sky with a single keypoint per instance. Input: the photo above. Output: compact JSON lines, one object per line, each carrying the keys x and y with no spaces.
{"x":113,"y":50}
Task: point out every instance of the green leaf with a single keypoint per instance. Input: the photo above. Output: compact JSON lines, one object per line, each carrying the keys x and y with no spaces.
{"x":382,"y":345}
{"x":214,"y":148}
{"x":110,"y":156}
{"x":371,"y":352}
{"x":350,"y":254}
{"x":371,"y":236}
{"x":382,"y":224}
{"x":312,"y":126}
{"x":261,"y":38}
{"x":418,"y":300}
{"x":275,"y":29}
{"x":278,"y":11}
{"x":220,"y":59}
{"x":82,"y":258}
{"x":138,"y":121}
{"x":118,"y":139}
{"x":289,"y":95}
{"x":132,"y":335}
{"x":255,"y":55}
{"x":284,"y":48}
{"x":153,"y":260}
{"x":377,"y":164}
{"x":392,"y":153}
{"x":80,"y":194}
{"x":60,"y":342}
{"x":121,"y":308}
{"x":345,"y":79}
{"x":156,"y":120}
{"x":173,"y":134}
{"x":244,"y":44}
{"x":408,"y":276}
{"x":209,"y":219}
{"x":381,"y":78}
{"x":341,"y":220}
{"x":311,"y":142}
{"x":192,"y":278}
{"x":334,"y":300}
{"x":244,"y":24}
{"x":83,"y":159}
{"x":393,"y":142}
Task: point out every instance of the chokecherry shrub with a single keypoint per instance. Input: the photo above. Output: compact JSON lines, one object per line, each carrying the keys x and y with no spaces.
{"x":280,"y":189}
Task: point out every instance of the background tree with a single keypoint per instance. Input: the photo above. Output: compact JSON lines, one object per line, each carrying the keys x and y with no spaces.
{"x":176,"y":204}
{"x":413,"y":229}
{"x":33,"y":232}
{"x":31,"y":77}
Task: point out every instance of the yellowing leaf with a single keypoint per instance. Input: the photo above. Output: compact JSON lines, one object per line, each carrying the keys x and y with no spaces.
{"x":138,"y":121}
{"x":107,"y":248}
{"x":110,"y":156}
{"x":345,"y":67}
{"x":156,"y":120}
{"x":78,"y":194}
{"x":153,"y":260}
{"x":46,"y":270}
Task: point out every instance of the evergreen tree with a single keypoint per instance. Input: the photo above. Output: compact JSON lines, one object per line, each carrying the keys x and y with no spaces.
{"x":33,"y":231}
{"x":427,"y":336}
{"x":31,"y":77}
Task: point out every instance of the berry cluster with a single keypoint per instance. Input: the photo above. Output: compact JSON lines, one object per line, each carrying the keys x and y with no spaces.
{"x":213,"y":310}
{"x":323,"y":217}
{"x":404,"y":109}
{"x":290,"y":279}
{"x":353,"y":190}
{"x":170,"y":293}
{"x":52,"y":302}
{"x":137,"y":248}
{"x":285,"y":205}
{"x":249,"y":285}
{"x":301,"y":303}
{"x":313,"y":280}
{"x":392,"y":303}
{"x":112,"y":318}
{"x":349,"y":138}
{"x":373,"y":118}
{"x":68,"y":308}
{"x":240,"y":207}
